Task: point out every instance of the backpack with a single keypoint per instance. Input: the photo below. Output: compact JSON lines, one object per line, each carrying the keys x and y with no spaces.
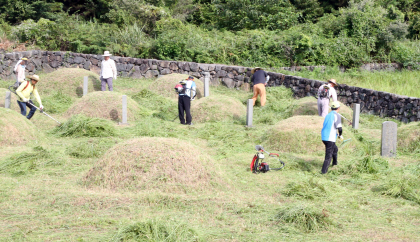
{"x":325,"y":92}
{"x":181,"y":87}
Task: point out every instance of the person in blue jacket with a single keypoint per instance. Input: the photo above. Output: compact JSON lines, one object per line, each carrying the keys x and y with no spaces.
{"x":186,"y":94}
{"x":332,"y":125}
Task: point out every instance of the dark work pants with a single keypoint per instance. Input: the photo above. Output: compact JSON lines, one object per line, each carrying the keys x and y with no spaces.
{"x":184,"y":104}
{"x":23,"y":105}
{"x":331,"y":151}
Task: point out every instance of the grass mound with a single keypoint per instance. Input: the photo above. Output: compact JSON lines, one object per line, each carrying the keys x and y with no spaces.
{"x":302,"y":134}
{"x":165,"y":85}
{"x":409,"y":138}
{"x":106,"y":105}
{"x":69,"y":81}
{"x":15,"y":129}
{"x":217,"y":108}
{"x":156,"y":230}
{"x":14,"y":106}
{"x":309,"y":106}
{"x":82,"y":126}
{"x":305,"y":217}
{"x":165,"y":164}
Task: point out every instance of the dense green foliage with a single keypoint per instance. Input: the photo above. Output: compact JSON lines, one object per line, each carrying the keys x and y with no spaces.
{"x":240,"y":32}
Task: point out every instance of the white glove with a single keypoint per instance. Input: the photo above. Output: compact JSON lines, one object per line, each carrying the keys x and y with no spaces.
{"x":192,"y":99}
{"x":41,"y":107}
{"x":25,"y":100}
{"x":341,"y":137}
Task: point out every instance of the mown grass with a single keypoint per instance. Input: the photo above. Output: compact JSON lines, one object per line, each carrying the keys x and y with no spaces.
{"x":364,"y":198}
{"x":398,"y":82}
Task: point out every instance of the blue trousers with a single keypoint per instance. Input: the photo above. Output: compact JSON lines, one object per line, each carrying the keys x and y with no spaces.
{"x":23,"y":105}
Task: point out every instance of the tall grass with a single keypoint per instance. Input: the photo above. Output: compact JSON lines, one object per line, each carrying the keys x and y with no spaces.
{"x":398,"y":82}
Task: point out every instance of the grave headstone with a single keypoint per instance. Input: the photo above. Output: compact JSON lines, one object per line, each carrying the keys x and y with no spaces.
{"x":356,"y":115}
{"x":124,"y":109}
{"x":389,"y":139}
{"x":85,"y":86}
{"x":8,"y":100}
{"x":207,"y":84}
{"x":249,"y":112}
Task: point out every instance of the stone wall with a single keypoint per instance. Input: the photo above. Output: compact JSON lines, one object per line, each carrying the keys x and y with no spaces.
{"x":406,"y":109}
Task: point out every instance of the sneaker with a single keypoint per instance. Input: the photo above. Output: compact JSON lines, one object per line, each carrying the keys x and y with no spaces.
{"x":190,"y":124}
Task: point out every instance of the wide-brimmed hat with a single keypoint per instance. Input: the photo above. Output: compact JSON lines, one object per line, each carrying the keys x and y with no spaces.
{"x":333,"y":81}
{"x":34,"y":77}
{"x":106,"y":53}
{"x":256,"y":68}
{"x":24,"y":59}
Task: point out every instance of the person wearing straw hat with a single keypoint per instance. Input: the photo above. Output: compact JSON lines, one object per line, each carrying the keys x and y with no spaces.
{"x":331,"y":126}
{"x":259,"y":80}
{"x":325,"y":92}
{"x":24,"y":91}
{"x":108,"y":72}
{"x":20,"y":71}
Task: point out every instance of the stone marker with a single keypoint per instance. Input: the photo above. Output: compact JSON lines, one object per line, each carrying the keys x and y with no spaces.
{"x":8,"y":100}
{"x":356,"y":114}
{"x":389,"y":139}
{"x":85,"y":86}
{"x":206,"y":86}
{"x":124,"y":109}
{"x":249,"y":112}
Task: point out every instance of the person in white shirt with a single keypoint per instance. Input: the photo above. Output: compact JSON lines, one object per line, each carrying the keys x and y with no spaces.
{"x":325,"y":92}
{"x":108,"y":71}
{"x":20,"y":71}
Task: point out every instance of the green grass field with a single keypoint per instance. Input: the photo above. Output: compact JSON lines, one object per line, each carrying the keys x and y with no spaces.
{"x":156,"y":180}
{"x":399,"y":82}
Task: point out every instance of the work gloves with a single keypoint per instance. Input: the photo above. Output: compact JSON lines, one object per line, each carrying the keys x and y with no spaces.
{"x":25,"y":100}
{"x":341,"y":137}
{"x":41,"y":107}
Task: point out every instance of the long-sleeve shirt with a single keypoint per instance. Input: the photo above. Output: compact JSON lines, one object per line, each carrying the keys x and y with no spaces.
{"x":20,"y":73}
{"x":331,"y":93}
{"x":190,"y":89}
{"x":28,"y":91}
{"x":332,"y":123}
{"x":260,"y":76}
{"x":108,"y":69}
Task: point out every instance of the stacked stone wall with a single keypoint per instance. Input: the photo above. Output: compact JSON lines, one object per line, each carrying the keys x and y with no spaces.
{"x":406,"y":109}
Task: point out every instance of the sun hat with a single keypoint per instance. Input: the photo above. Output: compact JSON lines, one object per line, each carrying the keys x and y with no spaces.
{"x":106,"y":53}
{"x":335,"y":105}
{"x":25,"y":59}
{"x":333,"y":81}
{"x":34,"y":77}
{"x":256,"y":68}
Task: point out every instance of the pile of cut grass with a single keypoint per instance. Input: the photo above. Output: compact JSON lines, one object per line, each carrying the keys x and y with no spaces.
{"x":157,"y":230}
{"x":69,"y":81}
{"x":16,"y":129}
{"x":22,"y":163}
{"x":165,"y":85}
{"x":165,"y":164}
{"x":82,"y":126}
{"x":90,"y":149}
{"x":107,"y":105}
{"x":305,"y":217}
{"x":401,"y":185}
{"x":217,"y":108}
{"x":307,"y":189}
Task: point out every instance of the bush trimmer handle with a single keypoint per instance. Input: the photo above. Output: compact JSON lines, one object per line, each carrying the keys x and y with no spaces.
{"x":43,"y":112}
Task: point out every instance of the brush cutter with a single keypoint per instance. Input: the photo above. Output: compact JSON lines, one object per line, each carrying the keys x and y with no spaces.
{"x":344,"y":142}
{"x":350,"y":123}
{"x":12,"y":89}
{"x":258,"y":165}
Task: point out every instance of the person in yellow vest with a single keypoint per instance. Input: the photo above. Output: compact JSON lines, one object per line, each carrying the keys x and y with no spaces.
{"x":24,"y":92}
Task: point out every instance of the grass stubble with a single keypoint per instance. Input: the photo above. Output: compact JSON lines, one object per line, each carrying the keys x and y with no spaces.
{"x":44,"y":197}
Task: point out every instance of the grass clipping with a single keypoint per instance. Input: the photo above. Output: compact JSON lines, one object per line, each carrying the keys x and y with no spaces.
{"x":15,"y":129}
{"x":217,"y":108}
{"x":165,"y":164}
{"x":301,"y":134}
{"x":82,"y":126}
{"x":409,"y":138}
{"x":165,"y":85}
{"x":106,"y":105}
{"x":69,"y":81}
